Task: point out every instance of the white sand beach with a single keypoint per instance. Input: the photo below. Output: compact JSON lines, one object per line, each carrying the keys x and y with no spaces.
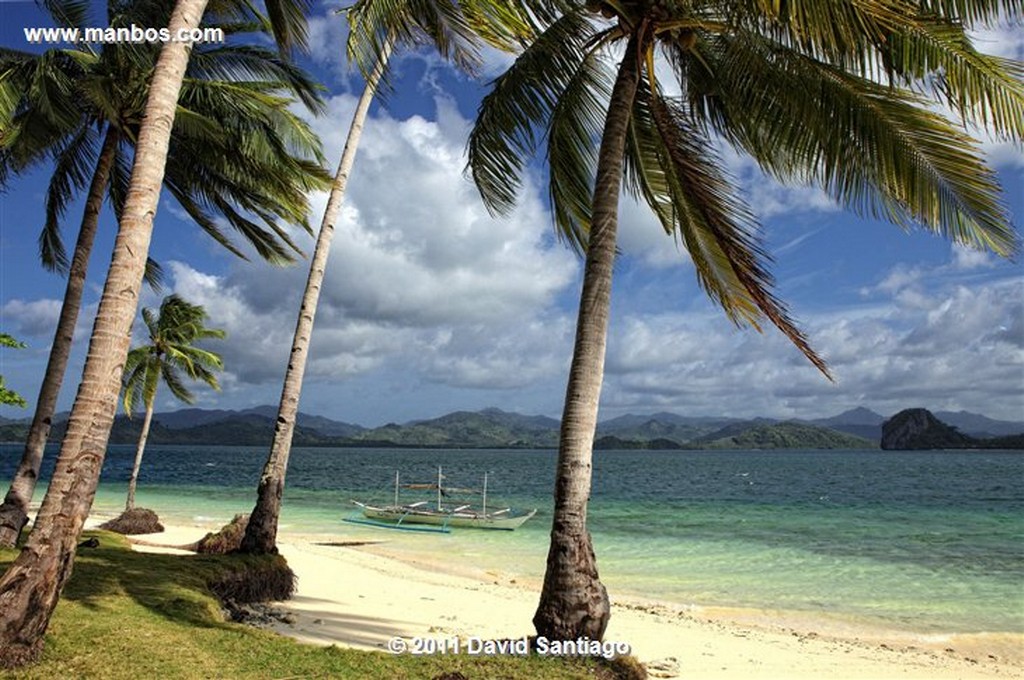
{"x":349,"y":594}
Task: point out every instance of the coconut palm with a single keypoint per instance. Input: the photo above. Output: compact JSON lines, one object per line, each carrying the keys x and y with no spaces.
{"x":31,"y":586}
{"x":235,"y":147}
{"x":836,"y":94}
{"x":376,"y":27}
{"x":171,"y":352}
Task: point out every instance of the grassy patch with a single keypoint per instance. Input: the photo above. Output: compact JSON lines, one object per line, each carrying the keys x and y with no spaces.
{"x":127,"y":614}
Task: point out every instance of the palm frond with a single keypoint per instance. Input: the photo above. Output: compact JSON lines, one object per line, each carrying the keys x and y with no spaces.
{"x":234,"y":63}
{"x":288,"y":22}
{"x":135,"y":368}
{"x":985,"y":90}
{"x":69,"y":13}
{"x":877,"y":149}
{"x":74,"y":164}
{"x":154,"y":275}
{"x":173,"y":330}
{"x":120,"y":177}
{"x":975,"y":13}
{"x":519,"y":105}
{"x":718,"y":230}
{"x":577,"y":121}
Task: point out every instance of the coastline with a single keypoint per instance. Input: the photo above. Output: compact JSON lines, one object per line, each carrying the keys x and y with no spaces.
{"x":351,"y":593}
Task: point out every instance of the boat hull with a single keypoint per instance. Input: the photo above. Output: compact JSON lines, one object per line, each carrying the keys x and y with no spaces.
{"x":505,"y":521}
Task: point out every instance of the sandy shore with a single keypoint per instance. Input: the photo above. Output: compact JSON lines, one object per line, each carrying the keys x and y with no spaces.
{"x":349,"y":596}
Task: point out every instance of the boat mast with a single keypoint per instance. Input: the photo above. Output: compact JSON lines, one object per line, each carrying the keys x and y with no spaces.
{"x":484,"y":508}
{"x":396,"y":488}
{"x":438,"y":488}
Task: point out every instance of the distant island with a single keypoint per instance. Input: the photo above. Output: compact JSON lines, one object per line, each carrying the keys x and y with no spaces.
{"x":493,"y":428}
{"x":918,"y":428}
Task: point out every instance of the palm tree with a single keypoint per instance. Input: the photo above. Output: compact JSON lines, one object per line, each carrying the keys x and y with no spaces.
{"x":31,"y":586}
{"x":376,"y":28}
{"x":235,"y":146}
{"x":837,"y":94}
{"x":170,"y":352}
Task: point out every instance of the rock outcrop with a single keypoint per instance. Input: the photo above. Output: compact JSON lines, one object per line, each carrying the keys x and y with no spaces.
{"x":917,"y":428}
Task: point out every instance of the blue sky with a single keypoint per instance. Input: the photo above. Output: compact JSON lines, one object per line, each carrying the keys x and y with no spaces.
{"x":430,"y":305}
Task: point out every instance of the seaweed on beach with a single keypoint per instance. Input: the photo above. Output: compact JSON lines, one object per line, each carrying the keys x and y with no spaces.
{"x":228,"y":539}
{"x":263,"y":579}
{"x":134,"y":522}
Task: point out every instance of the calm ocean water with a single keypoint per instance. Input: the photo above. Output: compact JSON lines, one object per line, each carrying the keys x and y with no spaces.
{"x":924,"y":541}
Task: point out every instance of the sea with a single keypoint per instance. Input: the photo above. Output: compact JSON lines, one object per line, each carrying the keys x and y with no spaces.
{"x":927,"y":542}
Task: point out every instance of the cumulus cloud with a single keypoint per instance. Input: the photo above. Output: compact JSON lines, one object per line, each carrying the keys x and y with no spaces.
{"x":944,"y":347}
{"x":31,"y":318}
{"x":420,"y":276}
{"x":38,"y":319}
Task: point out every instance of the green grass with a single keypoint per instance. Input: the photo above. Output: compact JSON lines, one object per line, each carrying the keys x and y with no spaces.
{"x":127,"y":614}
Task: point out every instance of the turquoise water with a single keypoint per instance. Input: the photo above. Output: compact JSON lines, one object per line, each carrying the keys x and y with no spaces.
{"x":923,"y":541}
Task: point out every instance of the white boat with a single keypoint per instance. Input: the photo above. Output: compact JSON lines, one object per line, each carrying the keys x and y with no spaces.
{"x":426,"y":516}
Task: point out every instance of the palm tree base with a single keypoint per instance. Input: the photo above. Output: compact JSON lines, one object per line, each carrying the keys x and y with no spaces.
{"x":573,"y":602}
{"x":133,"y":522}
{"x":17,"y":655}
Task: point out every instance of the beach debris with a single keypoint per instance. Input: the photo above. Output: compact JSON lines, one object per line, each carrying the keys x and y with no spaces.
{"x":134,"y":522}
{"x":257,"y":614}
{"x":227,"y":539}
{"x":663,"y":668}
{"x":267,"y":580}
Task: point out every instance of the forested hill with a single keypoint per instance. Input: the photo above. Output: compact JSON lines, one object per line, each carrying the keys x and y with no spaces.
{"x":493,"y":428}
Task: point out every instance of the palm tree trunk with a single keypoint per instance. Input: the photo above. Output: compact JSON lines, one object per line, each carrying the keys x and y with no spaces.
{"x":573,"y":602}
{"x":261,"y":532}
{"x":130,"y":503}
{"x":14,"y":511}
{"x":31,"y":586}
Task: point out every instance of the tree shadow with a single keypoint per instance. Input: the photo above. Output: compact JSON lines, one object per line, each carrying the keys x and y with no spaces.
{"x":155,"y":581}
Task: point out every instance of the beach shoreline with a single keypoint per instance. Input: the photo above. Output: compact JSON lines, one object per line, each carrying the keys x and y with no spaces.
{"x":355,"y":593}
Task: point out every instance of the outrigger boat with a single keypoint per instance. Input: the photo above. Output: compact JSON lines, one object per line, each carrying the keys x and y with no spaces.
{"x":424,"y":516}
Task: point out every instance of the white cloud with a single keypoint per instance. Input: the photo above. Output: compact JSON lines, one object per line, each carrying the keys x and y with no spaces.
{"x":31,"y":318}
{"x":327,"y":36}
{"x":968,"y":259}
{"x":420,"y":276}
{"x":38,"y":319}
{"x":948,"y":347}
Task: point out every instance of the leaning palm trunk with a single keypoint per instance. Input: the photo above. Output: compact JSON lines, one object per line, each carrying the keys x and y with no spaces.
{"x":133,"y":481}
{"x":31,"y":586}
{"x":261,"y":532}
{"x":14,"y":511}
{"x":573,"y":602}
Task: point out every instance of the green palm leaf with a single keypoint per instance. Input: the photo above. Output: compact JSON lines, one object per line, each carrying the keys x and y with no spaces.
{"x":519,"y":105}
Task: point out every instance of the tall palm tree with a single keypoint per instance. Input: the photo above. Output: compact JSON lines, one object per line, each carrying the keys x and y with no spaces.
{"x":171,"y":352}
{"x":838,"y":94}
{"x":31,"y":586}
{"x":235,"y":146}
{"x":376,"y":28}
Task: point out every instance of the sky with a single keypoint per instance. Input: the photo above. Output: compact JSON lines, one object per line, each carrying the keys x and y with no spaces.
{"x":430,"y":305}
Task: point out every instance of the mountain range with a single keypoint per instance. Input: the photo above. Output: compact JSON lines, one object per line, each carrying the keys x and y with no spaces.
{"x":494,"y":428}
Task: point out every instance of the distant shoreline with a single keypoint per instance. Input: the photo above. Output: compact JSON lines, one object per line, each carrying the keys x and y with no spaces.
{"x":492,"y":429}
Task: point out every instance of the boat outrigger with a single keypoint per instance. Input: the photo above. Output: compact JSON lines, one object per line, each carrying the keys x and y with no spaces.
{"x":438,"y":517}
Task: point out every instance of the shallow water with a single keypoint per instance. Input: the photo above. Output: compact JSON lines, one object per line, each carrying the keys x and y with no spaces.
{"x":924,"y":541}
